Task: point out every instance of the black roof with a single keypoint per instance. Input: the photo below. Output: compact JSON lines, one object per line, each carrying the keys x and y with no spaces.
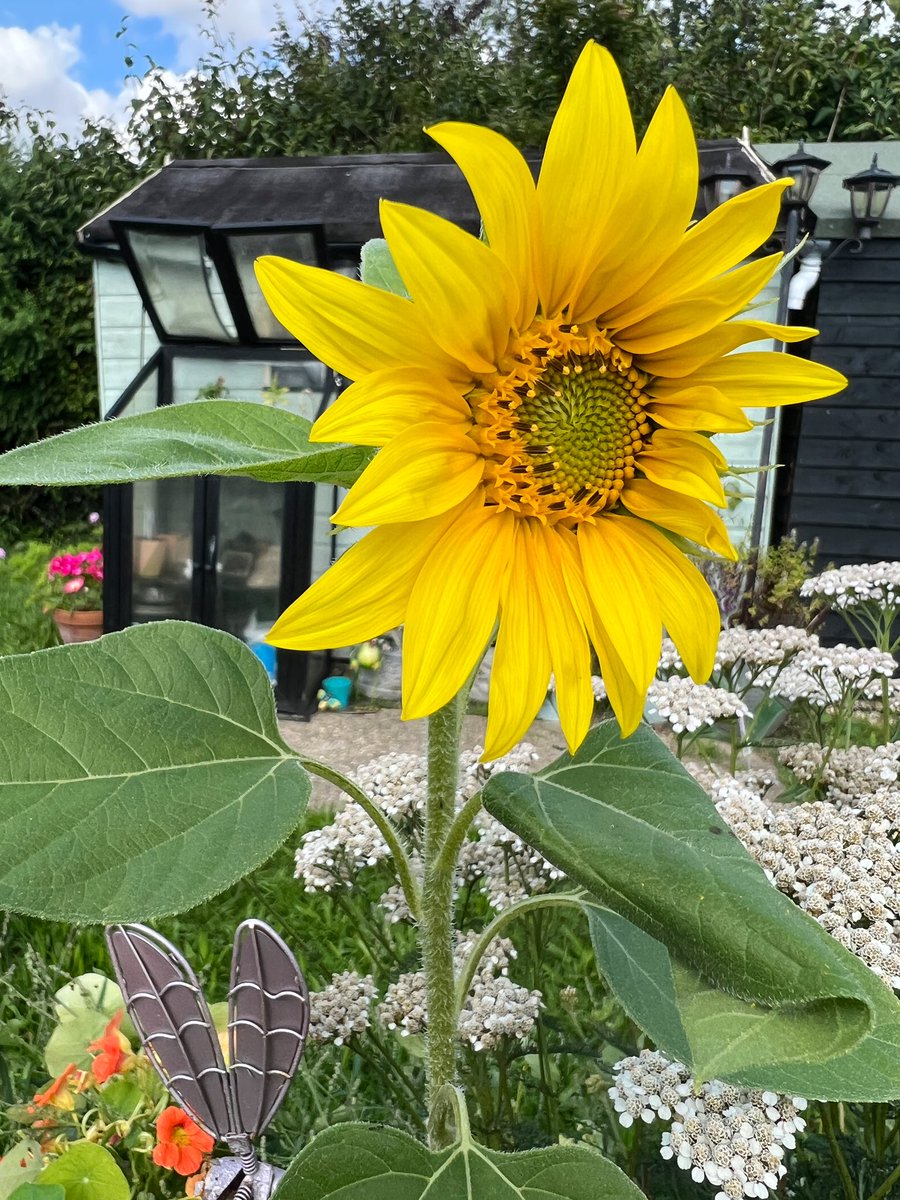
{"x":341,"y":193}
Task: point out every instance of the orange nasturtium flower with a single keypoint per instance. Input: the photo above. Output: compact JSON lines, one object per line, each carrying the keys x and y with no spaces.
{"x":59,"y":1093}
{"x":544,"y":402}
{"x":113,"y":1049}
{"x":181,"y":1143}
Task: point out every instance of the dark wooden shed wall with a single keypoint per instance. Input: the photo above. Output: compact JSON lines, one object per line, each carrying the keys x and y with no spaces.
{"x":844,"y":483}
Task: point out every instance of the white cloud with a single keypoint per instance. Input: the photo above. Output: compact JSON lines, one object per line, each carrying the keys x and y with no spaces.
{"x":247,"y":21}
{"x":35,"y":66}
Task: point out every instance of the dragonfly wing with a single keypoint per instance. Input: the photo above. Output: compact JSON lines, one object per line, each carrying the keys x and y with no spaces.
{"x":268,"y":1016}
{"x":171,"y":1015}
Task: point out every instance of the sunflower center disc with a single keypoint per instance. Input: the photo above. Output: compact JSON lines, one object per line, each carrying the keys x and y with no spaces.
{"x":561,"y":431}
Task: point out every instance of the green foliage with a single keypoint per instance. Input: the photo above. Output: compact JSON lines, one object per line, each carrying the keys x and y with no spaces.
{"x":108,"y":810}
{"x":87,"y":1172}
{"x":776,"y":576}
{"x":759,"y":987}
{"x":49,"y":185}
{"x":20,"y":1165}
{"x":83,"y":1009}
{"x":358,"y":1162}
{"x":225,"y":437}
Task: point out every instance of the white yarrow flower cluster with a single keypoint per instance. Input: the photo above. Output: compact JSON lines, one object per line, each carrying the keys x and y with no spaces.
{"x":729,"y":1137}
{"x":331,"y":857}
{"x":840,"y":865}
{"x":496,"y":1007}
{"x":826,"y":675}
{"x":849,"y":775}
{"x":507,"y":869}
{"x":688,"y":706}
{"x":876,"y":584}
{"x":342,"y":1008}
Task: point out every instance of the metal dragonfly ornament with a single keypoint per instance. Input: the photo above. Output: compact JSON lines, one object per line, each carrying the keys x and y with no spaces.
{"x":268,"y":1018}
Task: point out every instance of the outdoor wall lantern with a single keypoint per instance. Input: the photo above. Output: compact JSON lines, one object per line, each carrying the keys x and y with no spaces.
{"x":870,"y":192}
{"x":720,"y":185}
{"x":804,"y":169}
{"x":197,"y":282}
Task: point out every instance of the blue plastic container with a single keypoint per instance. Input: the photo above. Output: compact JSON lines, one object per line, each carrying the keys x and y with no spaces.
{"x":338,"y":687}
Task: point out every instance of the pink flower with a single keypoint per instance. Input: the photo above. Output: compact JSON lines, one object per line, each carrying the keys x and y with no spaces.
{"x":73,"y":585}
{"x":94,"y":518}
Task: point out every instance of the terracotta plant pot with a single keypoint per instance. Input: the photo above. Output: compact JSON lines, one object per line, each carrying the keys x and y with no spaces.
{"x":78,"y":626}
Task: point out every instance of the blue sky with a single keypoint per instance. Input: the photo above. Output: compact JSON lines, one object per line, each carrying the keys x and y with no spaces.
{"x":63,"y":56}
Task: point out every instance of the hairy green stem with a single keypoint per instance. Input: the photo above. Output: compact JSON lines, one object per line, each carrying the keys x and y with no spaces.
{"x":456,"y":834}
{"x":436,"y":917}
{"x":487,"y":935}
{"x":385,"y":827}
{"x":837,"y":1153}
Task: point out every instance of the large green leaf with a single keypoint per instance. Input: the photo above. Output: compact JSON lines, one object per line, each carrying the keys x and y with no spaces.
{"x":206,"y":437}
{"x":723,"y":1037}
{"x":39,"y":1191}
{"x":87,"y":1172}
{"x":364,"y":1162}
{"x":628,"y":823}
{"x":139,"y":774}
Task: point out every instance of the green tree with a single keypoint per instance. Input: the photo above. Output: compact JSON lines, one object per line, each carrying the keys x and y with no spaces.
{"x":49,"y":184}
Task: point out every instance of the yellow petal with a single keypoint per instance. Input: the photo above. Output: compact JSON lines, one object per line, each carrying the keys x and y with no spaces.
{"x":652,"y":213}
{"x":726,"y":237}
{"x":387,"y":403}
{"x":763,"y":379}
{"x":689,"y":609}
{"x":681,"y":514}
{"x":699,"y":408}
{"x":626,"y":604}
{"x":365,"y":593}
{"x":554,"y":562}
{"x":463,"y":291}
{"x":682,"y":469}
{"x":589,"y":155}
{"x":681,"y":360}
{"x":421,"y":473}
{"x":698,"y":310}
{"x":352,"y":327}
{"x":694,"y":443}
{"x":521,"y":668}
{"x":626,"y":699}
{"x":503,"y":187}
{"x":453,"y":608}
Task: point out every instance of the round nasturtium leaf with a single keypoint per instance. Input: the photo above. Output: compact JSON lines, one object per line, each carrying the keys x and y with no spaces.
{"x":87,"y":1172}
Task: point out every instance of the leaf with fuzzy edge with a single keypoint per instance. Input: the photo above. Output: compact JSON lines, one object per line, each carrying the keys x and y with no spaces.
{"x":365,"y":1162}
{"x":206,"y":437}
{"x":139,"y":774}
{"x":700,"y":1025}
{"x":625,"y":821}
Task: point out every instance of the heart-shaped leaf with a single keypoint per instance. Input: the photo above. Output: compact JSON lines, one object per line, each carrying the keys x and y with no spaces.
{"x":206,"y":437}
{"x":139,"y":774}
{"x":87,"y":1172}
{"x":364,"y":1162}
{"x":627,"y":822}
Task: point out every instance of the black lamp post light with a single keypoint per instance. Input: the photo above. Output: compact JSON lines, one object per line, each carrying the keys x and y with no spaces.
{"x":870,"y":192}
{"x":805,"y":169}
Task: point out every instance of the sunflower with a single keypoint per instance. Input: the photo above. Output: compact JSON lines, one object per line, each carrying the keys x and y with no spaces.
{"x":544,"y":401}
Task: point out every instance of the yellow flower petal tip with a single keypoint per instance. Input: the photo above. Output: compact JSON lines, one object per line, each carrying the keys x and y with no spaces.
{"x":544,"y":404}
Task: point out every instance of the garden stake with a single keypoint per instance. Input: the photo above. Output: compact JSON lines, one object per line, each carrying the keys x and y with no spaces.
{"x":268,"y":1018}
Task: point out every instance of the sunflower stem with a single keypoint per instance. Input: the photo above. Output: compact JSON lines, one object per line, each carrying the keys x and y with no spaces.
{"x":436,"y":919}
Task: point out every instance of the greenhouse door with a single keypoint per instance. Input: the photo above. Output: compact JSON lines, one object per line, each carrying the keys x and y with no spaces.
{"x":223,"y":551}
